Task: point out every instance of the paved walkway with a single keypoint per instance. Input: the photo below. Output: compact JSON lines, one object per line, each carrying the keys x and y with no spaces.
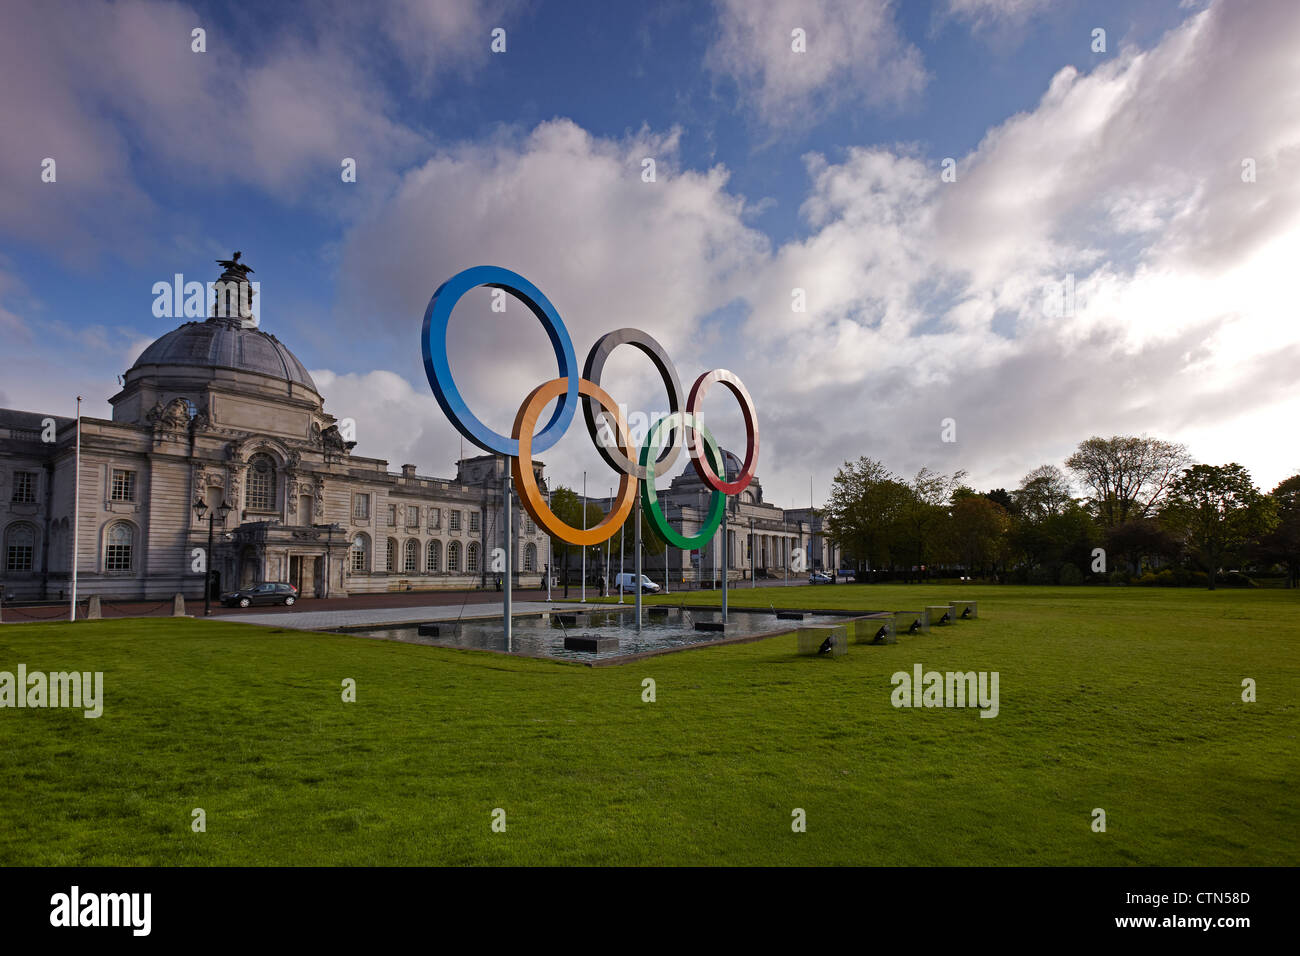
{"x":310,"y":620}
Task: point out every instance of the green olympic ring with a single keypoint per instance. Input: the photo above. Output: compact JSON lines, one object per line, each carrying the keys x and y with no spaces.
{"x":650,"y":500}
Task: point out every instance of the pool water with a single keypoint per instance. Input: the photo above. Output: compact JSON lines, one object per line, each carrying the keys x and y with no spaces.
{"x":543,"y":635}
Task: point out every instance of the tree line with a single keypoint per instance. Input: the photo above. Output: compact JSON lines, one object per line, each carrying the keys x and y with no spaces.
{"x":1145,"y":513}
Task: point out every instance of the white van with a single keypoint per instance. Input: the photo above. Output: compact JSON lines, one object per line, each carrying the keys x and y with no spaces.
{"x":627,"y":583}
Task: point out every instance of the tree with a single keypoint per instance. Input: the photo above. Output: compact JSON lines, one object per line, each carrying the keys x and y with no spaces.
{"x":566,"y":504}
{"x":1217,"y":510}
{"x":1043,"y":492}
{"x":1282,"y":544}
{"x":924,"y":511}
{"x":1126,"y":477}
{"x":1140,"y":538}
{"x":979,"y":529}
{"x":863,"y":511}
{"x":1002,"y":497}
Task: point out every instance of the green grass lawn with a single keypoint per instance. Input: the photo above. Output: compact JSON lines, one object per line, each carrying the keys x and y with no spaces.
{"x":1124,"y":699}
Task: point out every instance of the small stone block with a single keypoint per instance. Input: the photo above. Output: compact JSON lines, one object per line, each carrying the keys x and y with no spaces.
{"x":590,"y":642}
{"x":427,"y":630}
{"x":911,"y":622}
{"x":965,"y":610}
{"x":789,"y":615}
{"x":941,"y":614}
{"x":710,"y":626}
{"x":813,"y":641}
{"x":874,"y":631}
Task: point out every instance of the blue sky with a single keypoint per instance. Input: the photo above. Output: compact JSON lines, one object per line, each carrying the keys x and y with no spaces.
{"x":168,"y":159}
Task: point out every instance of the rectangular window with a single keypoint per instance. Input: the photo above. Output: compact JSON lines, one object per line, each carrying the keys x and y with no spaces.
{"x":361,"y":507}
{"x":454,"y":521}
{"x":473,"y":520}
{"x":19,"y":557}
{"x":261,"y":484}
{"x":123,"y":485}
{"x":24,"y":487}
{"x":435,"y":519}
{"x":413,"y":516}
{"x":117,"y":557}
{"x":392,"y":516}
{"x":530,"y":527}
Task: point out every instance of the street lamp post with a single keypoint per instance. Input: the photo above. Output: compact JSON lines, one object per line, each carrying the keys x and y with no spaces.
{"x":201,"y":509}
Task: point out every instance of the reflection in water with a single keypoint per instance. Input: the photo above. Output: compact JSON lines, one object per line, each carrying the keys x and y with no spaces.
{"x":543,"y":635}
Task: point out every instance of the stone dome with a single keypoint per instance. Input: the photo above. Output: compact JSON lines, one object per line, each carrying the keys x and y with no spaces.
{"x":218,"y":343}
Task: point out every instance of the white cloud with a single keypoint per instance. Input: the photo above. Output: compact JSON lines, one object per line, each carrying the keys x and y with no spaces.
{"x":106,"y":88}
{"x":925,"y":298}
{"x":988,"y":13}
{"x":854,"y":54}
{"x":570,"y":212}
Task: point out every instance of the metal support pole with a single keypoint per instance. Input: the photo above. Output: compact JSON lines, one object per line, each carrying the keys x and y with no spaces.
{"x":622,"y":562}
{"x":207,"y":569}
{"x":76,"y":513}
{"x":550,"y":551}
{"x":584,"y":528}
{"x":726,"y":562}
{"x":509,"y":583}
{"x":636,"y":546}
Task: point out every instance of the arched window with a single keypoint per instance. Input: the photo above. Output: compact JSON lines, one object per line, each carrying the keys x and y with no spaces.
{"x":453,"y":557}
{"x":530,"y":558}
{"x":20,"y":547}
{"x":390,"y":556}
{"x":471,"y":557}
{"x":412,"y":563}
{"x":261,"y":484}
{"x":360,"y":545}
{"x":119,"y":547}
{"x":433,"y":560}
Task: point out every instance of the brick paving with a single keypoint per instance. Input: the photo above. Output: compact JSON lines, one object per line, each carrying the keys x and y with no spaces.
{"x":401,"y":599}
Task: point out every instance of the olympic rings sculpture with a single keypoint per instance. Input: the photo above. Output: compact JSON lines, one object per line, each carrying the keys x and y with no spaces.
{"x":684,"y":422}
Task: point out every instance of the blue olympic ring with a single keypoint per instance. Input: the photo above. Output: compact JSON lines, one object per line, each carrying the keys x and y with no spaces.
{"x":437,"y":367}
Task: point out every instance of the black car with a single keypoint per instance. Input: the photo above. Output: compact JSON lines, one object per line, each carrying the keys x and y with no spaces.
{"x":285,"y":594}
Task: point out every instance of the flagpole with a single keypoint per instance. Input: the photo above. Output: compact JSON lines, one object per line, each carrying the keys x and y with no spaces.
{"x":76,"y":512}
{"x":550,"y":550}
{"x":584,"y":528}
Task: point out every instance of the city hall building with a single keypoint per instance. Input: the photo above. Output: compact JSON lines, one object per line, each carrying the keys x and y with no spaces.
{"x":222,"y":412}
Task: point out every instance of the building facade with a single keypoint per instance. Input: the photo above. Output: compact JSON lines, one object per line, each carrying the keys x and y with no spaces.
{"x":221,"y":411}
{"x":763,"y":539}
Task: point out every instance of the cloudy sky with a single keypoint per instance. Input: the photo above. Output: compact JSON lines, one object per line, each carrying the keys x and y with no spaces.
{"x":1158,"y":179}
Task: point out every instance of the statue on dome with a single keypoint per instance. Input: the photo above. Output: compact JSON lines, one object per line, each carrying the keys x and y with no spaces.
{"x":234,"y":265}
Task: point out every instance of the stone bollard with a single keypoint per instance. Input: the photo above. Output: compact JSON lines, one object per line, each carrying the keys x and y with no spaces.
{"x":178,"y":605}
{"x":92,"y":609}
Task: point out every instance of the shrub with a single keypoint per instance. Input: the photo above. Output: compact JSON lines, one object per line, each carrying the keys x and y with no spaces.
{"x":1041,"y":575}
{"x":1235,"y":579}
{"x":1070,"y":575}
